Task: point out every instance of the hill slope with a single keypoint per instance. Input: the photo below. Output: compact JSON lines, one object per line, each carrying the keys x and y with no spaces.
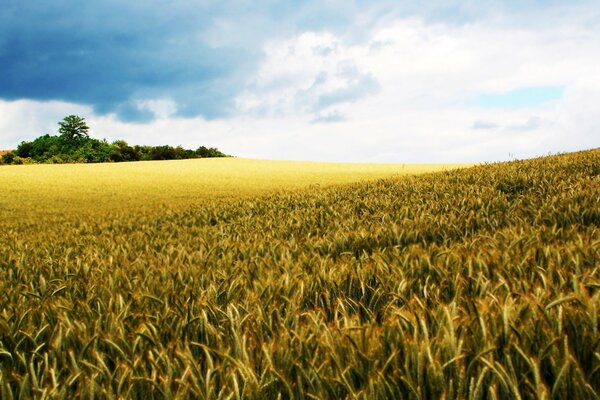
{"x":476,"y":283}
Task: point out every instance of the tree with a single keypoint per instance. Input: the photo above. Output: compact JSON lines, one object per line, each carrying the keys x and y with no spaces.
{"x":25,"y":149}
{"x":205,"y":152}
{"x":73,"y":128}
{"x":121,"y":151}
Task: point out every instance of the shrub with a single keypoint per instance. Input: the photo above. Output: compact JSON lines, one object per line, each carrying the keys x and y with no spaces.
{"x":11,"y":158}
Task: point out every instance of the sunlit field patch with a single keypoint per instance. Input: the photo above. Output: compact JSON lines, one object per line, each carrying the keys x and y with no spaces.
{"x":221,"y":279}
{"x":180,"y":183}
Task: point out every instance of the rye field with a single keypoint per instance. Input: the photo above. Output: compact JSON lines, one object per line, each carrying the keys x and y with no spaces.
{"x":239,"y":279}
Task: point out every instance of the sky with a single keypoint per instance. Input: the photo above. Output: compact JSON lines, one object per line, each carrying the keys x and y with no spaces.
{"x":354,"y":80}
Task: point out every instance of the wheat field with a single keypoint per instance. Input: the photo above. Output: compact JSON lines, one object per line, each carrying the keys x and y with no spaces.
{"x":111,"y":187}
{"x":213,"y":281}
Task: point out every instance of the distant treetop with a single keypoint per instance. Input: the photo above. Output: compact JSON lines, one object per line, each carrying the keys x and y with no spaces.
{"x":73,"y":127}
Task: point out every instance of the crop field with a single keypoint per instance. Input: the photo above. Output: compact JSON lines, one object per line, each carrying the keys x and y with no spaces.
{"x":151,"y":186}
{"x":179,"y":280}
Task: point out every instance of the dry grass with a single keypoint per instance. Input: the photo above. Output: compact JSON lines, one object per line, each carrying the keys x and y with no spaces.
{"x":480,"y":283}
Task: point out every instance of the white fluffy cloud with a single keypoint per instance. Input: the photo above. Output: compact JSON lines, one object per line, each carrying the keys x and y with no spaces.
{"x":25,"y":119}
{"x":425,"y":75}
{"x":402,"y":94}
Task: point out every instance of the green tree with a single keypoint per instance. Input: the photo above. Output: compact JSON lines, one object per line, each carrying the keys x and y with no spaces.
{"x":121,"y":151}
{"x":25,"y":149}
{"x":73,"y":128}
{"x":205,"y":152}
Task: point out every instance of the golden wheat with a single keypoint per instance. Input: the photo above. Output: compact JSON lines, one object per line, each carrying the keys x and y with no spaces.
{"x":477,"y":283}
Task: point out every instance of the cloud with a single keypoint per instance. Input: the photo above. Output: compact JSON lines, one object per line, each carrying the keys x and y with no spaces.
{"x":532,"y":123}
{"x":307,"y":74}
{"x":116,"y":55}
{"x":347,"y":81}
{"x":356,"y":86}
{"x":160,"y":108}
{"x":329,"y":117}
{"x":26,"y":119}
{"x":484,"y":125}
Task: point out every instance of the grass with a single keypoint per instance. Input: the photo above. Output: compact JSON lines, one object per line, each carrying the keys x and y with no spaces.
{"x":478,"y":283}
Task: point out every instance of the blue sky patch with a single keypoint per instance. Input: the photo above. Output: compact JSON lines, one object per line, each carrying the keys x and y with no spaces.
{"x":521,"y":97}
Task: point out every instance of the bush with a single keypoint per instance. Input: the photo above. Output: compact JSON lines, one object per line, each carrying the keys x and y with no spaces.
{"x":56,"y":159}
{"x":11,"y":158}
{"x":93,"y":151}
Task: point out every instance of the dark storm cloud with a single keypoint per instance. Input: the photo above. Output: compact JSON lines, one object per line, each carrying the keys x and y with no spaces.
{"x":112,"y":54}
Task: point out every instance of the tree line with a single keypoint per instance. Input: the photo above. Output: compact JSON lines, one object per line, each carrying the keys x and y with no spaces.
{"x":74,"y":145}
